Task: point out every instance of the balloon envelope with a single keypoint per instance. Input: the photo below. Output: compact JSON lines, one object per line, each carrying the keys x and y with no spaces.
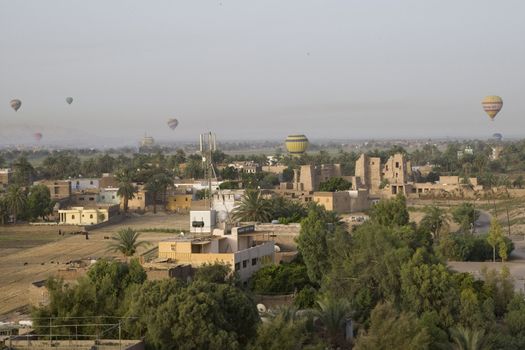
{"x":69,"y":100}
{"x":172,"y":123}
{"x":492,"y":105}
{"x":15,"y":104}
{"x":296,"y":144}
{"x":37,"y":136}
{"x":497,"y":136}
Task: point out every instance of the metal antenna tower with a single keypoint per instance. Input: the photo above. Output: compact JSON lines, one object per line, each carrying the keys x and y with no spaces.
{"x":208,"y":145}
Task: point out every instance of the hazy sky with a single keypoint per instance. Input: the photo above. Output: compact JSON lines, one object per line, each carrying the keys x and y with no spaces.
{"x":260,"y":69}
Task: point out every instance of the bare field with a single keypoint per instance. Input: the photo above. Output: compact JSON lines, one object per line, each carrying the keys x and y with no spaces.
{"x":32,"y":253}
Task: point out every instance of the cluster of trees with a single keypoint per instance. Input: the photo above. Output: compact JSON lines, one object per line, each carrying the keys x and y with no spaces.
{"x":399,"y":291}
{"x":255,"y":207}
{"x":30,"y":203}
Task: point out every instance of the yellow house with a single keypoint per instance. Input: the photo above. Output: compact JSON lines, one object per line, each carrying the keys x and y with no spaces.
{"x":179,"y":202}
{"x":83,"y":216}
{"x":138,"y":202}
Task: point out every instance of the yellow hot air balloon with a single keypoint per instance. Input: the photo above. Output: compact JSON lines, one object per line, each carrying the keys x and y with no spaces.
{"x":296,"y":144}
{"x":492,"y":105}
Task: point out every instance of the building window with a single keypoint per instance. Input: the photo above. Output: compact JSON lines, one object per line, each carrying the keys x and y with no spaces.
{"x":91,"y":216}
{"x":91,"y":182}
{"x":254,"y":261}
{"x":72,"y":217}
{"x":112,"y":197}
{"x":91,"y":198}
{"x":186,"y":199}
{"x":244,"y":264}
{"x":397,"y":164}
{"x":80,"y":198}
{"x":237,"y":266}
{"x":103,"y":197}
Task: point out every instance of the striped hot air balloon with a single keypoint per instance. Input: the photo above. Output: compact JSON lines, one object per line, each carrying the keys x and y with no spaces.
{"x":172,"y":123}
{"x":296,"y":144}
{"x":492,"y":105}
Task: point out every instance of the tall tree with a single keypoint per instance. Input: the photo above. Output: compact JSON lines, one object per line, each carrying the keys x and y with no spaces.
{"x":313,"y":242}
{"x":39,"y":202}
{"x":158,"y":184}
{"x":333,"y":314}
{"x":16,"y":199}
{"x":465,"y":215}
{"x":495,"y":239}
{"x":23,"y":172}
{"x":126,"y":188}
{"x":435,"y":220}
{"x":391,"y":212}
{"x":390,"y":329}
{"x":253,"y":207}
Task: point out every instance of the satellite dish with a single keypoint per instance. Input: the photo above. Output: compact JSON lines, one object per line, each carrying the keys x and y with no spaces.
{"x":261,"y":308}
{"x":276,"y":248}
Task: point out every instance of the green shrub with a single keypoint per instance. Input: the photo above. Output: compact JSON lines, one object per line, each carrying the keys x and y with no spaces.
{"x":461,"y":247}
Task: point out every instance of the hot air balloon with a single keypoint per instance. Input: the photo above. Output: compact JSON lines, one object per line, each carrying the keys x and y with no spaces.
{"x":492,"y":105}
{"x":296,"y":144}
{"x":69,"y":100}
{"x":497,"y":136}
{"x":15,"y":104}
{"x":172,"y":123}
{"x":37,"y":136}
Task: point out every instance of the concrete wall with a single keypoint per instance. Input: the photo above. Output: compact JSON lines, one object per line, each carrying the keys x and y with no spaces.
{"x":248,"y":261}
{"x":84,"y":184}
{"x":108,"y":196}
{"x":178,"y":202}
{"x":59,"y":189}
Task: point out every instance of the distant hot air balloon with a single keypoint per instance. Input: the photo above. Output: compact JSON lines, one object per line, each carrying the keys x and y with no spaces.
{"x":492,"y":105}
{"x":15,"y":104}
{"x":37,"y":136}
{"x":296,"y":144}
{"x":69,"y":100}
{"x":172,"y":123}
{"x":497,"y":136}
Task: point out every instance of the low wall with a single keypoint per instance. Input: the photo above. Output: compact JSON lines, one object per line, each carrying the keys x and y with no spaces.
{"x":112,"y":344}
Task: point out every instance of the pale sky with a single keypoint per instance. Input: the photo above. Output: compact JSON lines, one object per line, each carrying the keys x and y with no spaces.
{"x":259,"y":69}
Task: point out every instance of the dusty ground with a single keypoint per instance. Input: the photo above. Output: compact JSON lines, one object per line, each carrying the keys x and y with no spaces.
{"x":26,"y":252}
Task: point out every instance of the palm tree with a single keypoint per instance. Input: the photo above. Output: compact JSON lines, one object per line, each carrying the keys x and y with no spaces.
{"x":126,"y":243}
{"x":4,"y":210}
{"x":435,"y":219}
{"x":333,"y":314}
{"x":253,"y":207}
{"x":16,"y":200}
{"x":126,"y":188}
{"x":158,"y":184}
{"x":467,"y":339}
